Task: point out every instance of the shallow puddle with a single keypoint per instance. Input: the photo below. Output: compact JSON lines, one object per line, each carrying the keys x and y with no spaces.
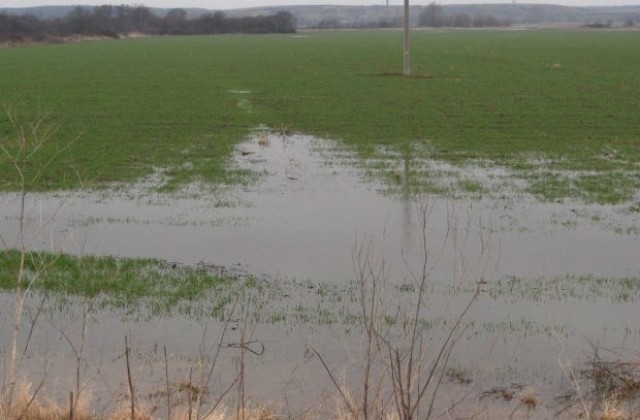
{"x":558,"y":275}
{"x":310,"y":208}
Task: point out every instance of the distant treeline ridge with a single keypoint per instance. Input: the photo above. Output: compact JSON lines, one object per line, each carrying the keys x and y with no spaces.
{"x":113,"y":21}
{"x":433,"y":16}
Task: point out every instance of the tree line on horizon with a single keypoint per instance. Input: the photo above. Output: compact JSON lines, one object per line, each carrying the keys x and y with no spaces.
{"x":430,"y":16}
{"x":433,"y":16}
{"x":114,"y":21}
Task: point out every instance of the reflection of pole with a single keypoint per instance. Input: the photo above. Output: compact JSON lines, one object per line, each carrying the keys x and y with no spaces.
{"x":407,"y":57}
{"x":407,"y":204}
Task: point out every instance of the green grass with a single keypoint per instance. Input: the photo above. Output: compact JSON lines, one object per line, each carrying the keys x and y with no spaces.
{"x":568,"y":288}
{"x":144,"y":288}
{"x":569,"y":99}
{"x":117,"y":282}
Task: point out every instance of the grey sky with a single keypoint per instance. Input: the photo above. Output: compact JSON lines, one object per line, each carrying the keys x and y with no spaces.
{"x":233,"y":4}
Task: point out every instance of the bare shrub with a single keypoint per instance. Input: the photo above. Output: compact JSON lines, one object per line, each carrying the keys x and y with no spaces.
{"x":22,"y":149}
{"x":613,"y":378}
{"x":19,"y":150}
{"x":608,"y":387}
{"x":404,"y":363}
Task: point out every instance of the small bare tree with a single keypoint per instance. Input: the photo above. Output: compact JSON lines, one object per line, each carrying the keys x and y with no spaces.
{"x":22,"y":151}
{"x":413,"y":364}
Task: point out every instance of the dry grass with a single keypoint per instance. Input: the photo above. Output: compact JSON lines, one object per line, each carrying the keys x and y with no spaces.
{"x":611,"y":387}
{"x":529,"y":399}
{"x":26,"y":406}
{"x":124,"y":413}
{"x":613,"y":413}
{"x":614,"y":379}
{"x":264,"y":141}
{"x":521,"y":402}
{"x":615,"y":384}
{"x":255,"y":412}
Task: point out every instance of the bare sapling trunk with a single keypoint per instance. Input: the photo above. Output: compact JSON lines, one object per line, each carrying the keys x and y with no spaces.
{"x":132,"y":389}
{"x":22,"y":149}
{"x":78,"y":352}
{"x":246,"y":345}
{"x":18,"y":150}
{"x":208,"y":374}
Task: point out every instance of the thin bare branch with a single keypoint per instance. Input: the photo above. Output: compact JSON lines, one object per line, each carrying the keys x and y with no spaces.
{"x":132,"y":397}
{"x":345,"y":399}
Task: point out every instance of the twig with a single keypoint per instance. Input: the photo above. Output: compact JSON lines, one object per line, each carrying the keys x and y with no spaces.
{"x":335,"y":383}
{"x":446,"y":344}
{"x":189,"y":398}
{"x":129,"y":377}
{"x":32,"y":325}
{"x":214,"y":362}
{"x":71,"y":405}
{"x":166,"y":375}
{"x":32,"y":399}
{"x":247,"y":347}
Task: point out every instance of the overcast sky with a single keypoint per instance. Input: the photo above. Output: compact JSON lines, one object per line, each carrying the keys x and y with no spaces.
{"x":234,"y":4}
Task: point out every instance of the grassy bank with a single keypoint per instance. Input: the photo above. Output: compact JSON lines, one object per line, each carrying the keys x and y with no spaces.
{"x":559,"y":107}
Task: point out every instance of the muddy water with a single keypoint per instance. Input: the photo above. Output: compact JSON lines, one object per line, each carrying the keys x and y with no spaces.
{"x":301,"y":221}
{"x":304,"y":217}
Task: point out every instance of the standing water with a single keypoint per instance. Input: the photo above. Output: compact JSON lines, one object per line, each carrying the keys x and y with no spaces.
{"x":555,"y":277}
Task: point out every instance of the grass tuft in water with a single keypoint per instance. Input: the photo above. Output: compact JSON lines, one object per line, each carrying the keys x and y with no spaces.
{"x":115,"y":282}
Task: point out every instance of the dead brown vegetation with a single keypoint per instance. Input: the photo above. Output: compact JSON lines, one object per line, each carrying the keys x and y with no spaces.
{"x":27,"y":406}
{"x":609,"y":387}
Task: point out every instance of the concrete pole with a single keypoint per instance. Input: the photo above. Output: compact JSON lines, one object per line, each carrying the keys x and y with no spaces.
{"x":407,"y":56}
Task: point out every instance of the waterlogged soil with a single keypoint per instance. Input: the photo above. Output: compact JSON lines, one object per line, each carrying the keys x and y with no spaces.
{"x":557,"y":278}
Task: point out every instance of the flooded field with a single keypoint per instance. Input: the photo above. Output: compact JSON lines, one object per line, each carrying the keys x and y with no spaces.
{"x":557,"y":278}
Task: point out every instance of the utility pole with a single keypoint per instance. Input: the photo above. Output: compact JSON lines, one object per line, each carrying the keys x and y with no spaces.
{"x":407,"y":56}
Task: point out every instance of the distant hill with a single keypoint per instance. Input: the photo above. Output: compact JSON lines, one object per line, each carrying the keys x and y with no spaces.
{"x":538,"y":13}
{"x":53,"y":12}
{"x":41,"y":12}
{"x":309,"y":16}
{"x":516,"y":13}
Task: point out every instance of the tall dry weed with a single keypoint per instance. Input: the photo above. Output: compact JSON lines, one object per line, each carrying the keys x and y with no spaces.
{"x":26,"y":405}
